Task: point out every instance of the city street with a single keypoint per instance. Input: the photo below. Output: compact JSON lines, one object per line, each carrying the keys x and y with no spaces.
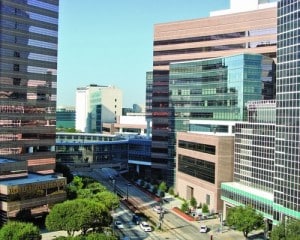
{"x":174,"y":227}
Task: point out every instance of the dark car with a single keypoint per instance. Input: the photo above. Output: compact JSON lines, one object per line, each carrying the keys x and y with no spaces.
{"x":136,"y":219}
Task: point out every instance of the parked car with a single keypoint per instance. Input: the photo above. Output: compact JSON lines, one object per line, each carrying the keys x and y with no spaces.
{"x":203,"y":229}
{"x":119,"y":224}
{"x":145,"y":226}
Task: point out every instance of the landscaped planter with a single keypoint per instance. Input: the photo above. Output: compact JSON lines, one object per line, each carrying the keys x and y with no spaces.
{"x":182,"y":214}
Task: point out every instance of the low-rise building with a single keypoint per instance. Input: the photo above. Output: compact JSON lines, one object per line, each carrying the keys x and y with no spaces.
{"x":22,"y":190}
{"x":203,"y":161}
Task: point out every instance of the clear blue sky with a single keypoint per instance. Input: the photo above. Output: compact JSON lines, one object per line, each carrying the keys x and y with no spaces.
{"x":110,"y":42}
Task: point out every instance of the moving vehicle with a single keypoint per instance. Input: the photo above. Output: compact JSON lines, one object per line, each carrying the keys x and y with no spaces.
{"x":203,"y":229}
{"x":145,"y":226}
{"x":136,"y":219}
{"x":119,"y":224}
{"x":158,"y":209}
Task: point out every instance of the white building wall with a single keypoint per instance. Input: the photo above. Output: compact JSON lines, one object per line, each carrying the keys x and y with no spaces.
{"x":81,"y":109}
{"x":244,"y":6}
{"x":112,"y":104}
{"x":87,"y":99}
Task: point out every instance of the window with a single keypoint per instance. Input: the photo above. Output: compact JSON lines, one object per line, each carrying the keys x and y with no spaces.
{"x":207,"y":199}
{"x":16,"y":67}
{"x":17,"y":54}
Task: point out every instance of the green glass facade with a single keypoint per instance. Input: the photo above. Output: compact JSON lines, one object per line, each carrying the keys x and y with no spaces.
{"x":218,"y":89}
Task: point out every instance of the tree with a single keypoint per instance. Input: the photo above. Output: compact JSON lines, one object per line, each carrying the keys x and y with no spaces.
{"x":14,"y":230}
{"x":78,"y":215}
{"x":244,"y":219}
{"x":171,"y":191}
{"x":109,"y":199}
{"x":185,"y":207}
{"x":162,"y":186}
{"x":74,"y":187}
{"x":91,"y":236}
{"x":288,"y":231}
{"x":205,"y":208}
{"x":193,"y":202}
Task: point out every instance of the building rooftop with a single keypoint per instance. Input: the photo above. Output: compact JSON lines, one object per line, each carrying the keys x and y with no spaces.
{"x":31,"y":178}
{"x":5,"y":160}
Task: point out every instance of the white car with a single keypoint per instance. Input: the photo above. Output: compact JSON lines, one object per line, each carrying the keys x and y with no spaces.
{"x":119,"y":224}
{"x":158,"y":209}
{"x":145,"y":226}
{"x":203,"y":229}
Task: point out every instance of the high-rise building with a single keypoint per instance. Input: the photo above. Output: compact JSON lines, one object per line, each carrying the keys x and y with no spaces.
{"x":253,"y":178}
{"x":28,"y":63}
{"x":221,"y":35}
{"x":96,"y":105}
{"x":287,"y":139}
{"x":267,"y":163}
{"x":216,"y":89}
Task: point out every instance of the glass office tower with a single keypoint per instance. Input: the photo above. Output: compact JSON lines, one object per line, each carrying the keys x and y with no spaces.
{"x":204,"y":38}
{"x":287,"y":140}
{"x":28,"y":63}
{"x":216,"y":89}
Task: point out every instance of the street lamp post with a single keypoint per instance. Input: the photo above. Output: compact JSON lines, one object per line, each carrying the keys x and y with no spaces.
{"x":161,"y":214}
{"x":114,"y":185}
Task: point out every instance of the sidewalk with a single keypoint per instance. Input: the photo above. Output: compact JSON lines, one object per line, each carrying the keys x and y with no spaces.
{"x":212,"y":224}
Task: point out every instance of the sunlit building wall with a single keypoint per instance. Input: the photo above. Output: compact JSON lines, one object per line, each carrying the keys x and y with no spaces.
{"x":241,"y":32}
{"x":28,"y":63}
{"x":96,"y":105}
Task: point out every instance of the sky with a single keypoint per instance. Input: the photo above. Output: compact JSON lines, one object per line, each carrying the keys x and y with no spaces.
{"x":110,"y":42}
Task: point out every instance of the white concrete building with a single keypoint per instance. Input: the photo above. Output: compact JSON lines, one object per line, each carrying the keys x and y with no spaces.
{"x":95,"y":105}
{"x":237,"y":6}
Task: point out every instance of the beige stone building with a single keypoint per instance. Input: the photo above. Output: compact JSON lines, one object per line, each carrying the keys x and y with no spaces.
{"x":204,"y":161}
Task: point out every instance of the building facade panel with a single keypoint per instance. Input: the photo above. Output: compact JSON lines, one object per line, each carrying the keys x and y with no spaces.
{"x":287,"y":140}
{"x":211,"y":37}
{"x":203,"y":162}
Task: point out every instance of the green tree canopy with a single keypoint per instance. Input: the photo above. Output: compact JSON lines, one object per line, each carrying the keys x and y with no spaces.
{"x":205,"y":208}
{"x":244,"y":219}
{"x":91,"y":236}
{"x":185,"y":207}
{"x":288,"y":231}
{"x":78,"y":215}
{"x":109,"y":199}
{"x":162,"y":186}
{"x":193,"y":202}
{"x":13,"y":230}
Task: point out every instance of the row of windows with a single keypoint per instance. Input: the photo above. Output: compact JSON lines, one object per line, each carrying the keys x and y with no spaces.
{"x":198,"y":168}
{"x":26,"y":27}
{"x":40,"y":4}
{"x":268,"y":209}
{"x":255,"y":32}
{"x":200,"y":49}
{"x":199,"y":147}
